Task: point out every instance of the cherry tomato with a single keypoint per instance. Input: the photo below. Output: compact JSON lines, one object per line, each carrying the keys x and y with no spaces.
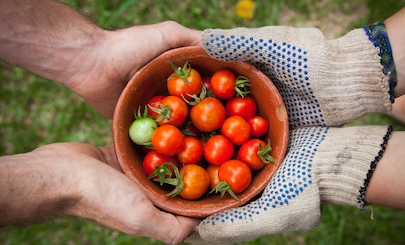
{"x":142,"y":128}
{"x":207,"y":84}
{"x":218,"y":149}
{"x":152,"y":165}
{"x":208,"y":115}
{"x":191,"y":152}
{"x":168,"y":140}
{"x":173,"y":110}
{"x":206,"y":81}
{"x":258,"y":126}
{"x":245,"y":107}
{"x":154,"y":102}
{"x":184,"y":81}
{"x":237,"y":174}
{"x":255,"y":153}
{"x":212,"y":171}
{"x":223,"y":84}
{"x":236,"y":129}
{"x":196,"y":182}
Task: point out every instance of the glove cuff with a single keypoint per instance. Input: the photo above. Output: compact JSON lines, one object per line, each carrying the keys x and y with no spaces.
{"x":377,"y":34}
{"x":346,"y":161}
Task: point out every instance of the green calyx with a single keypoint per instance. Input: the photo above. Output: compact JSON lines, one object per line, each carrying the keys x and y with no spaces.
{"x":176,"y":181}
{"x":163,"y":110}
{"x":138,"y":114}
{"x":196,"y":98}
{"x":162,"y":172}
{"x":223,"y":187}
{"x":182,"y":72}
{"x":264,"y":153}
{"x":184,"y":129}
{"x":242,"y":85}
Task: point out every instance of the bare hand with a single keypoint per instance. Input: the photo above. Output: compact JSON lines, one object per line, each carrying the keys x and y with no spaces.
{"x":85,"y":181}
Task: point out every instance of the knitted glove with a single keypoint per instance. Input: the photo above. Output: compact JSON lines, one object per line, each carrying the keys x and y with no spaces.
{"x":323,"y":165}
{"x":323,"y":82}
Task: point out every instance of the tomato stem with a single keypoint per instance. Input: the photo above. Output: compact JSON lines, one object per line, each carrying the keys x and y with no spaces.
{"x":242,"y":85}
{"x":162,"y":172}
{"x":264,"y":153}
{"x":177,"y":181}
{"x":224,"y":187}
{"x":182,"y":72}
{"x":196,"y":99}
{"x":138,"y":114}
{"x":163,"y":110}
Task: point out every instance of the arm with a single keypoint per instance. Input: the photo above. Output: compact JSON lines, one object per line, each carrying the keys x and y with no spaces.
{"x":76,"y":179}
{"x":386,"y":186}
{"x":52,"y":40}
{"x":396,"y":33}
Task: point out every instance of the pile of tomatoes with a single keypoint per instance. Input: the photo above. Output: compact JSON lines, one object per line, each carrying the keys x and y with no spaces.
{"x":204,"y":135}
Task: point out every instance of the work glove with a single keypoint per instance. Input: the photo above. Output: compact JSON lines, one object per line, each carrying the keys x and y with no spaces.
{"x":324,"y":165}
{"x":322,"y":82}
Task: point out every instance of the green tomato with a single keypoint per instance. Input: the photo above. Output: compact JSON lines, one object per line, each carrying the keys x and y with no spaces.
{"x":141,"y":130}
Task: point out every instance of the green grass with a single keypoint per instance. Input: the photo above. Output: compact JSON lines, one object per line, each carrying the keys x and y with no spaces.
{"x":35,"y":112}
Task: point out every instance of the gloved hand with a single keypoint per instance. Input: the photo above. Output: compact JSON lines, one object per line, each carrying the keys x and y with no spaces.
{"x":323,"y":82}
{"x":323,"y":165}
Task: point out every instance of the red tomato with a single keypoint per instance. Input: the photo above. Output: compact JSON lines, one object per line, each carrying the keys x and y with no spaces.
{"x":258,"y":126}
{"x":196,"y":182}
{"x":154,"y":102}
{"x":223,"y":84}
{"x":173,"y":110}
{"x":245,"y":107}
{"x":191,"y":152}
{"x":255,"y":153}
{"x":184,"y":81}
{"x":208,"y":115}
{"x":212,"y":171}
{"x":168,"y":140}
{"x":155,"y":159}
{"x":236,"y":129}
{"x":206,"y":81}
{"x":237,"y":174}
{"x":207,"y":84}
{"x":218,"y":149}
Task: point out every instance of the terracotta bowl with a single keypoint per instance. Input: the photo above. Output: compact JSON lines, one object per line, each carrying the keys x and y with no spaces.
{"x":150,"y":81}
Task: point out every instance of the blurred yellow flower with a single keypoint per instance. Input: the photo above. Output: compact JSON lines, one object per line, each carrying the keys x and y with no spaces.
{"x":245,"y":9}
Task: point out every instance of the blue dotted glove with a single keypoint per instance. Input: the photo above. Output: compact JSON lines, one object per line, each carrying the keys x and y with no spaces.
{"x":323,"y":165}
{"x":323,"y":82}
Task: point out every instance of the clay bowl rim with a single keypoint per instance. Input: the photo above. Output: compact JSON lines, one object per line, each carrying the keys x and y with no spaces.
{"x":126,"y":150}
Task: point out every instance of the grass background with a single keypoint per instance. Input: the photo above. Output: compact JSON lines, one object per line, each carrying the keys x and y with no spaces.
{"x":34,"y":111}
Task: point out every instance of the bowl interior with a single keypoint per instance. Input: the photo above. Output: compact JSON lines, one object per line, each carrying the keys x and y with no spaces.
{"x":150,"y":81}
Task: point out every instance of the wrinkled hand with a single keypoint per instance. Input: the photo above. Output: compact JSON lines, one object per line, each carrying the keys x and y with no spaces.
{"x":122,"y":53}
{"x":107,"y":196}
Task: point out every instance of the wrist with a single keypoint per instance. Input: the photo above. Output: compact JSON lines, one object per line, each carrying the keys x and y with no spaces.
{"x":34,"y":187}
{"x":48,"y":38}
{"x":396,"y":34}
